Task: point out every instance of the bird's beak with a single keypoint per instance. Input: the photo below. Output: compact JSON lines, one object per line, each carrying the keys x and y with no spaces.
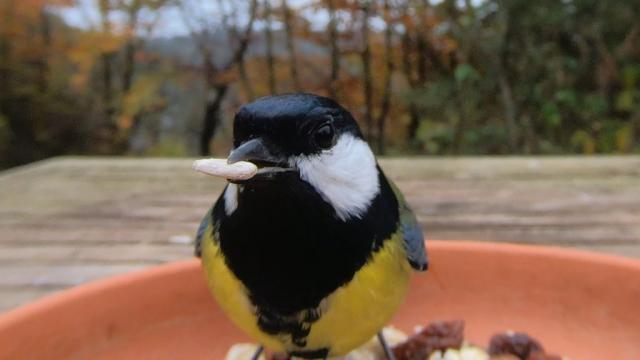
{"x":257,"y":152}
{"x":252,"y":150}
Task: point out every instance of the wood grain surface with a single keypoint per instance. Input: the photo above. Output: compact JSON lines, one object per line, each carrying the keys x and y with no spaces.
{"x":66,"y":221}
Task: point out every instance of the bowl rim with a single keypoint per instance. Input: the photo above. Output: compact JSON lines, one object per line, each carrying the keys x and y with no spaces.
{"x":91,"y":288}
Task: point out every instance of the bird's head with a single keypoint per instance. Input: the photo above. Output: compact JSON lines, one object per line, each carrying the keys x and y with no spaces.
{"x":308,"y":138}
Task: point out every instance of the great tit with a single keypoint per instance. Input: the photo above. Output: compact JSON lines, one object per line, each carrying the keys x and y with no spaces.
{"x":312,"y":255}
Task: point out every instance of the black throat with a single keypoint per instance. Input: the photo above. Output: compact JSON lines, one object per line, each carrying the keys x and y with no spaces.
{"x":287,"y":247}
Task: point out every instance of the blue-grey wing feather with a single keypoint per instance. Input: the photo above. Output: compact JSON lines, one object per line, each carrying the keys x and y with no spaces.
{"x":411,"y":233}
{"x":201,"y":233}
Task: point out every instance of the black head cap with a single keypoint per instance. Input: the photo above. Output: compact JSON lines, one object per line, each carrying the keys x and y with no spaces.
{"x":293,"y":124}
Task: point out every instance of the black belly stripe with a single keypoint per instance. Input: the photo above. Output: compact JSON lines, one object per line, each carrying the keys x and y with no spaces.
{"x":286,"y":246}
{"x":274,"y":324}
{"x":311,"y":354}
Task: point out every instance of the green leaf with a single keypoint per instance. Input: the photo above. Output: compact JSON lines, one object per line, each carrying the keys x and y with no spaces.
{"x":631,"y":76}
{"x":584,"y":140}
{"x":624,"y":138}
{"x":465,"y":72}
{"x":625,"y":100}
{"x":551,"y":114}
{"x":567,"y":97}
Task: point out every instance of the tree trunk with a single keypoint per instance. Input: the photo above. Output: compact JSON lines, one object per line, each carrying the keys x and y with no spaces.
{"x":335,"y":52}
{"x":289,"y":33}
{"x":211,"y":119}
{"x":635,"y":132}
{"x":107,"y":88}
{"x":365,"y":56}
{"x":268,"y":33}
{"x":530,"y":143}
{"x":244,"y":80}
{"x":407,"y":68}
{"x":414,"y":123}
{"x":43,"y":81}
{"x":510,"y":112}
{"x":506,"y":89}
{"x":107,"y":129}
{"x":127,"y":71}
{"x":219,"y":88}
{"x":386,"y":93}
{"x":127,"y":81}
{"x":423,"y":53}
{"x":460,"y":126}
{"x":130,"y":49}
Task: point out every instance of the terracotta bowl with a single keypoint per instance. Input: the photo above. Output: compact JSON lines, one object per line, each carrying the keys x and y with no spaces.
{"x":583,"y":305}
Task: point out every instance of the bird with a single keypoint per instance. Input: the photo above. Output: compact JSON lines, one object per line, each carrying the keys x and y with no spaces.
{"x":312,"y":256}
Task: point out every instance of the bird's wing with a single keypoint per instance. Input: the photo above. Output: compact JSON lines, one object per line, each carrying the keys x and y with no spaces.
{"x":411,"y":233}
{"x":201,"y":233}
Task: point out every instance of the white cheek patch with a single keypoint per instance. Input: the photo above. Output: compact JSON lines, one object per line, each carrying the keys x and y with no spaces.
{"x":345,"y":176}
{"x":231,"y":199}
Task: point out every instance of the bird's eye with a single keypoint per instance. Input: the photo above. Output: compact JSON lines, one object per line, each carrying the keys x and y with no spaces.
{"x":324,"y":135}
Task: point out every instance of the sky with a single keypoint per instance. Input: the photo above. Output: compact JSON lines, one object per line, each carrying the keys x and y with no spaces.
{"x":169,"y":21}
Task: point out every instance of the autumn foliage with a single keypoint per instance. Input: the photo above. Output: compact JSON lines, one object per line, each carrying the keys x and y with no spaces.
{"x":164,"y":77}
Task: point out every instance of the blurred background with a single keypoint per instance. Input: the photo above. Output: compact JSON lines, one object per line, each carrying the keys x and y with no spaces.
{"x":437,"y":87}
{"x":164,"y":77}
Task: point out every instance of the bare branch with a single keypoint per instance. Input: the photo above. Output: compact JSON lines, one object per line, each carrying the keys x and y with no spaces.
{"x":271,"y":72}
{"x":238,"y":55}
{"x":335,"y":52}
{"x":365,"y":56}
{"x":289,"y":33}
{"x":389,"y":66}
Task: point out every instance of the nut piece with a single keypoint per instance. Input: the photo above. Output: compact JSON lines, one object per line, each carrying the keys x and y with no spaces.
{"x":243,"y":351}
{"x":438,"y":335}
{"x":466,"y":352}
{"x":241,"y":170}
{"x":518,"y":344}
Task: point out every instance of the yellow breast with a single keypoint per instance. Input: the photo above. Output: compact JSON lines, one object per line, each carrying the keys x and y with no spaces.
{"x":350,"y":316}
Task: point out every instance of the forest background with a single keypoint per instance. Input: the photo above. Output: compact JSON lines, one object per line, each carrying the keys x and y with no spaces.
{"x":451,"y":77}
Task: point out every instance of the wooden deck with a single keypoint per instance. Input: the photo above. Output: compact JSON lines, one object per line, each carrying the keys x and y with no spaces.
{"x":66,"y":221}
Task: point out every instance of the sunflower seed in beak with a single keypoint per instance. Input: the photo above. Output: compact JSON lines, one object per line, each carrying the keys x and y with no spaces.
{"x":241,"y":170}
